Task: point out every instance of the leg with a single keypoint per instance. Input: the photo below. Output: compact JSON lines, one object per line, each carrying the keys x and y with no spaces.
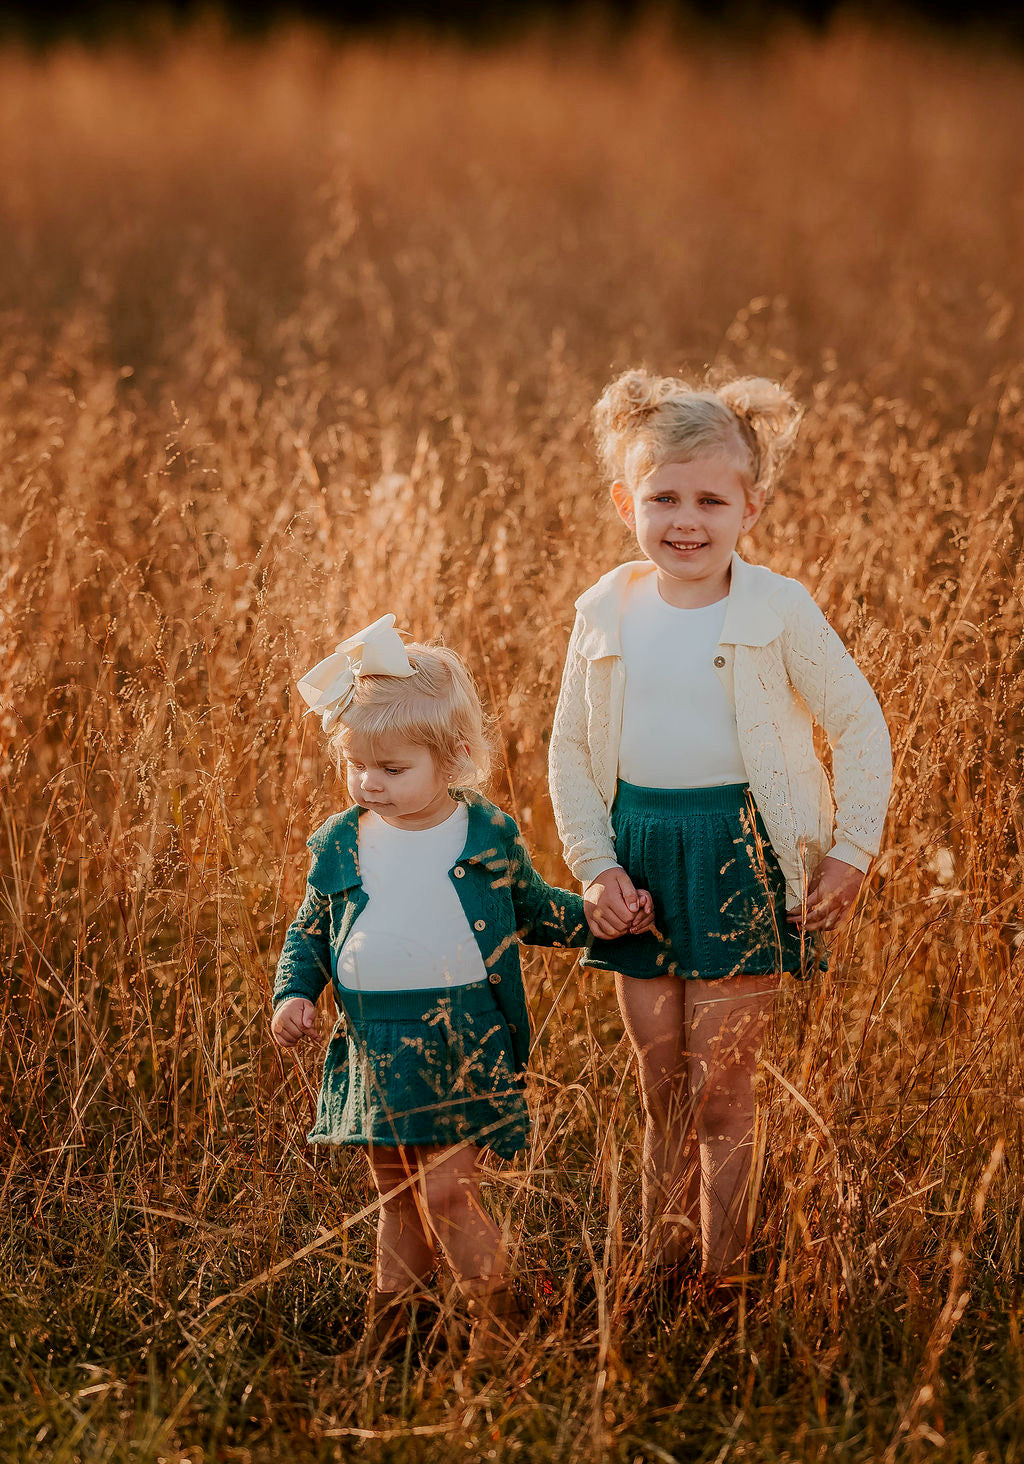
{"x":474,"y":1248}
{"x":473,"y":1245}
{"x":726,"y":1021}
{"x":405,"y":1248}
{"x":653,"y":1012}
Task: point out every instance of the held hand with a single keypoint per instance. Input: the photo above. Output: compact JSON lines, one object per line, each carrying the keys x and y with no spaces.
{"x":293,"y":1020}
{"x":644,"y":918}
{"x":611,"y":903}
{"x":831,"y":896}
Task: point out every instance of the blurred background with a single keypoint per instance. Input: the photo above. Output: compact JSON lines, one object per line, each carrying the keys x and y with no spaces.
{"x":302,"y":317}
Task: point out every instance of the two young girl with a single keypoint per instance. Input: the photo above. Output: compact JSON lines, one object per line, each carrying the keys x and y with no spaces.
{"x":692,"y":809}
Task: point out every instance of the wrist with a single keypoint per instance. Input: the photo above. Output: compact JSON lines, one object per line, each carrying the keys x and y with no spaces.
{"x":280,"y":1002}
{"x":847,"y":853}
{"x":592,"y":869}
{"x":594,"y":878}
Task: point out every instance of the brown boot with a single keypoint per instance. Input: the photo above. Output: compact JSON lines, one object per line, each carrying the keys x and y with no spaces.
{"x":499,"y":1319}
{"x":724,"y":1292}
{"x":388,"y":1323}
{"x":668,"y":1283}
{"x":399,"y":1319}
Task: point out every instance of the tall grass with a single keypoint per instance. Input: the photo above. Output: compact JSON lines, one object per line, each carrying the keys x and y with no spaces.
{"x":296,"y":334}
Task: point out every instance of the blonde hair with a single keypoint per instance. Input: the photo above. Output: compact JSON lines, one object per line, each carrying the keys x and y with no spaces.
{"x":438,"y":707}
{"x":642,"y":421}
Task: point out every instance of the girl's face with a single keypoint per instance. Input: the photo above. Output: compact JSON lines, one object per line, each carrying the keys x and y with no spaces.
{"x":688,"y":518}
{"x":397,"y":779}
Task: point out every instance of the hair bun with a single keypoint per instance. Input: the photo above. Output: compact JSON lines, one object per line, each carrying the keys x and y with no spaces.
{"x":770,"y":413}
{"x":626,"y":406}
{"x":631,"y":399}
{"x":641,"y":420}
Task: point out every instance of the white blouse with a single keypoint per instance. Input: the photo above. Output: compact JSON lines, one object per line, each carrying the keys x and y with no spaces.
{"x":413,"y":932}
{"x":678,"y":722}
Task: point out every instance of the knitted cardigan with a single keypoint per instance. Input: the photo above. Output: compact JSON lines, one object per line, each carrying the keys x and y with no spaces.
{"x":780,"y":661}
{"x":504,"y":898}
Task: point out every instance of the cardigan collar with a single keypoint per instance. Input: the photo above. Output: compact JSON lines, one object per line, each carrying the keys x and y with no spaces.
{"x":335,"y":845}
{"x":750,"y":619}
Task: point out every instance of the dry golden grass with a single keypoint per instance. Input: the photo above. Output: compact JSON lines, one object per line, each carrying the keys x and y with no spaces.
{"x":296,"y":334}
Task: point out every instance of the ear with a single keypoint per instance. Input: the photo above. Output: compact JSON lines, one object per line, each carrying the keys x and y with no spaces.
{"x":752,"y":505}
{"x":451,"y":771}
{"x":623,"y":500}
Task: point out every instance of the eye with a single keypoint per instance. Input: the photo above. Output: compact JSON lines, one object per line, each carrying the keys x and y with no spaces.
{"x":712,"y":500}
{"x":393,"y":772}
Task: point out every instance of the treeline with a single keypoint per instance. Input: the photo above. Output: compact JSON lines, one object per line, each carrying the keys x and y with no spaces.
{"x":43,"y":25}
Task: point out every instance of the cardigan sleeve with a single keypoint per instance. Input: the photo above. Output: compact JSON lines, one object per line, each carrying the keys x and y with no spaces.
{"x":545,"y":914}
{"x":839,"y":696}
{"x":583,"y":822}
{"x":304,"y":967}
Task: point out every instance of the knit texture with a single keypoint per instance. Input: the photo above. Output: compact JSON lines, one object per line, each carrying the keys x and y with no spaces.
{"x":784,"y":666}
{"x":422,"y":1067}
{"x":504,"y":899}
{"x":718,"y":891}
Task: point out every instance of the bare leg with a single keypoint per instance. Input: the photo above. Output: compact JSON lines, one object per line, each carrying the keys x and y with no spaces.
{"x":473,"y":1245}
{"x":405,"y":1247}
{"x":726,"y":1020}
{"x":654,"y":1015}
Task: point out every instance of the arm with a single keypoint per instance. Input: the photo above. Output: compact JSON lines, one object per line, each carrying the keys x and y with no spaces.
{"x":580,"y":813}
{"x":613,"y":904}
{"x":304,"y":967}
{"x":830,"y":682}
{"x":545,"y":914}
{"x":839,"y":696}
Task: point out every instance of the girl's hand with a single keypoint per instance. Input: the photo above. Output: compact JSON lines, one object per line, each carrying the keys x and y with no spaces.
{"x":644,"y":918}
{"x":611,"y":903}
{"x":830,"y":897}
{"x":293,"y":1020}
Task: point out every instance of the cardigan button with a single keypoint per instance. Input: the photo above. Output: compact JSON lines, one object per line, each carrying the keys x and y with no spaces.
{"x":494,"y":978}
{"x":479,"y":924}
{"x":458,"y":871}
{"x":719,"y":660}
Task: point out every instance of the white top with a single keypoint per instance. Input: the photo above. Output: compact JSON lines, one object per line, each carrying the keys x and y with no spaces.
{"x":784,"y":666}
{"x":678,"y":722}
{"x":413,"y":932}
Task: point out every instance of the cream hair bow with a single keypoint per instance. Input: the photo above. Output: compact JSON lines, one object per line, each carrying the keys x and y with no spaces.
{"x":375,"y":651}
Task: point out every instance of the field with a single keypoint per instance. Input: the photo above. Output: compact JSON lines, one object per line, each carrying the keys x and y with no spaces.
{"x":296,"y":333}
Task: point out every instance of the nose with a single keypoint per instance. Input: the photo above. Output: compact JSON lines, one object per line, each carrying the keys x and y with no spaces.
{"x":685,"y":520}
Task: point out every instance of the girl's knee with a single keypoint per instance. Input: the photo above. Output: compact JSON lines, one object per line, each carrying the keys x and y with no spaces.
{"x":444,"y":1193}
{"x":396,"y":1188}
{"x":664,"y":1094}
{"x":724,"y":1109}
{"x":401,"y":1206}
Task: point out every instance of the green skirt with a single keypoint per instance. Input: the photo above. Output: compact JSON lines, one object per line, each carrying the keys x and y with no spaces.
{"x":719,"y":893}
{"x":422,"y":1067}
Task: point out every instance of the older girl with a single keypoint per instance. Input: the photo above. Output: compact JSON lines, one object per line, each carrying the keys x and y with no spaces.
{"x":682,"y":758}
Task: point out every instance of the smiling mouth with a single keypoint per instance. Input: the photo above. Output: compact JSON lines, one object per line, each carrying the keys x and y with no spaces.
{"x":686,"y":546}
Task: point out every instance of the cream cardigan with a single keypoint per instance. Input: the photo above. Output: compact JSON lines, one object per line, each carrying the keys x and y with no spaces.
{"x":780,"y":661}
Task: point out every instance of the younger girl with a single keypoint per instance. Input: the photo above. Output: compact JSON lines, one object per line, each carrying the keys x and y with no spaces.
{"x":415,"y":899}
{"x":682,"y":758}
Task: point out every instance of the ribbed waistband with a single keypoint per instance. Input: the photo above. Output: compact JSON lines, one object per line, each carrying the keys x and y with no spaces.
{"x":415,"y":1006}
{"x":631,"y":798}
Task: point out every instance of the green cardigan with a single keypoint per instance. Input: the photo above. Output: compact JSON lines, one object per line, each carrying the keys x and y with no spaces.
{"x":504,"y":898}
